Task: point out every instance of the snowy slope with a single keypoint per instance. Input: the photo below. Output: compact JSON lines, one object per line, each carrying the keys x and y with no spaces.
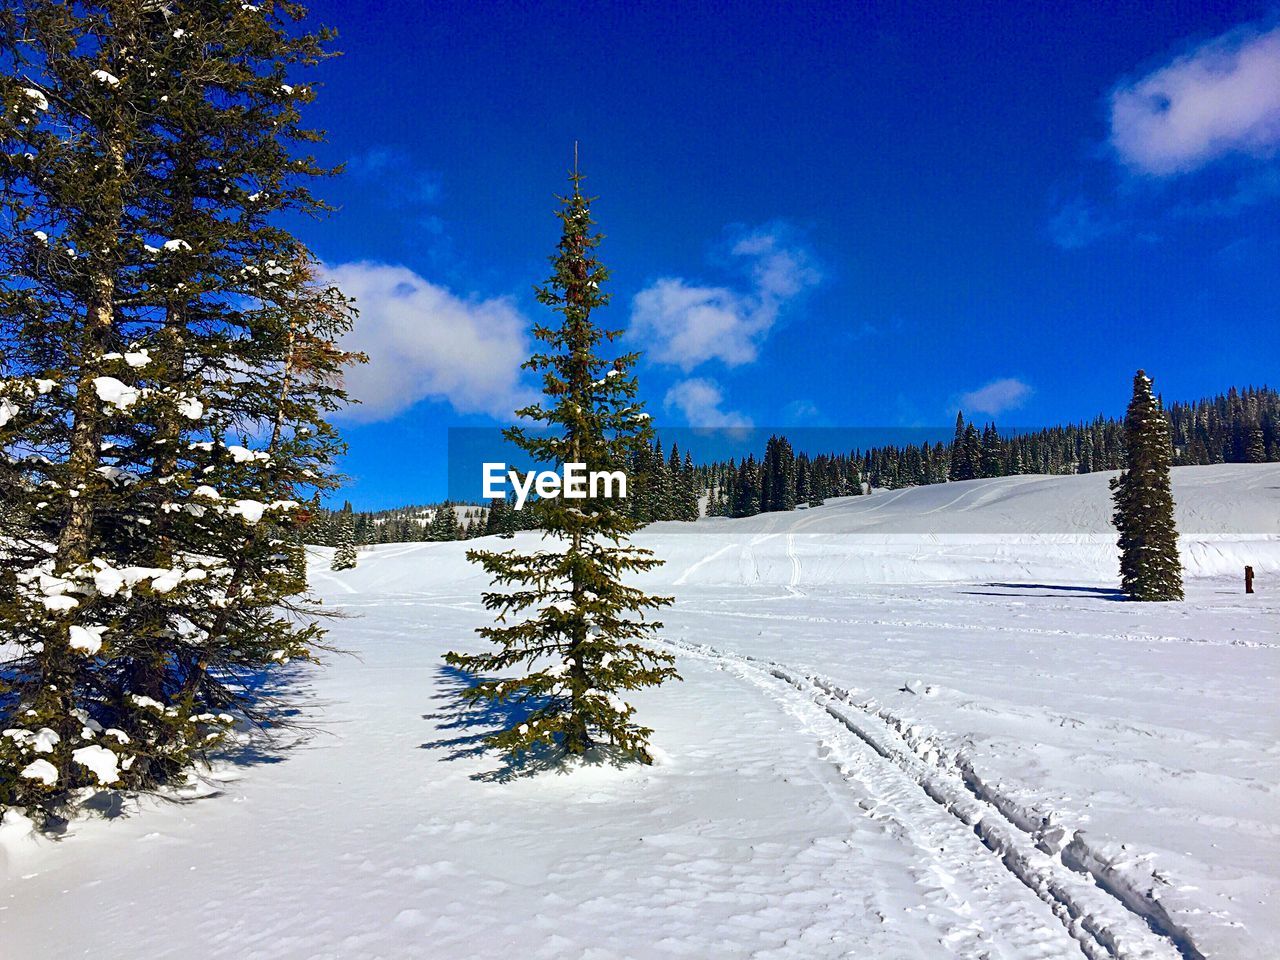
{"x":902,"y":734}
{"x":1229,"y":498}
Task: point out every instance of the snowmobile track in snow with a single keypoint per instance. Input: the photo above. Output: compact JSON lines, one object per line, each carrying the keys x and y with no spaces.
{"x":1106,"y":914}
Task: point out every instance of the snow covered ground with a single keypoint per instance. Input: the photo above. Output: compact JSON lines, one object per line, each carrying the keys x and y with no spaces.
{"x":916,"y":724}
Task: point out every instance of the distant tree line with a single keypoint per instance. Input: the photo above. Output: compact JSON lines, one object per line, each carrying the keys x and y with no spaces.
{"x":781,"y":480}
{"x":1240,"y":426}
{"x":442,"y":521}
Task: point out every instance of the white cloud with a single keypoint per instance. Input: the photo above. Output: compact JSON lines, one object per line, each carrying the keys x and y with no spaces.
{"x":996,"y":396}
{"x":699,"y":400}
{"x":425,"y":341}
{"x":685,"y":324}
{"x":1221,"y":98}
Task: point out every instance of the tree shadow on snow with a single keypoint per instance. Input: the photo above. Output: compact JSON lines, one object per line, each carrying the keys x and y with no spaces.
{"x":1023,"y":589}
{"x":278,"y":719}
{"x":477,"y":720}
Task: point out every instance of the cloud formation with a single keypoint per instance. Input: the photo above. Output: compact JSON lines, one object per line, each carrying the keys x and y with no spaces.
{"x":405,"y":181}
{"x":1219,"y":99}
{"x":685,"y":324}
{"x":425,"y":341}
{"x":996,"y":396}
{"x":1076,"y":224}
{"x":699,"y":401}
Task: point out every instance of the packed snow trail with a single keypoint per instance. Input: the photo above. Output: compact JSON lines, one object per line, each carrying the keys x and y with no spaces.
{"x":1105,"y":928}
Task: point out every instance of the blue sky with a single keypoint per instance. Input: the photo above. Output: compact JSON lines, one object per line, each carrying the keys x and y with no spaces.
{"x":818,"y":215}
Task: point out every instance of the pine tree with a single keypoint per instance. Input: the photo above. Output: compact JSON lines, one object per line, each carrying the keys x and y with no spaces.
{"x":818,"y":486}
{"x":690,"y":492}
{"x":583,"y":641}
{"x":344,"y":554}
{"x":501,"y":519}
{"x":959,"y":468}
{"x":747,"y":489}
{"x":1149,"y":565}
{"x":444,"y":523}
{"x":992,"y":452}
{"x":161,"y":319}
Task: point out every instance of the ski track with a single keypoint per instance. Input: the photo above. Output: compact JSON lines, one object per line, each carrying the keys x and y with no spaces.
{"x":941,"y":802}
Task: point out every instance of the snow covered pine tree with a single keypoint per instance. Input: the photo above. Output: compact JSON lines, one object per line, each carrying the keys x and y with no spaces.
{"x":168,"y":363}
{"x":584,"y":641}
{"x":1149,"y":565}
{"x":344,"y":554}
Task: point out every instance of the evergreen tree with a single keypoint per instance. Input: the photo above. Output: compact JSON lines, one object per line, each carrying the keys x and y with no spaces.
{"x":747,"y":489}
{"x":500,"y":520}
{"x":344,"y":554}
{"x":818,"y":486}
{"x":583,"y":641}
{"x":444,"y":523}
{"x":778,"y":476}
{"x":170,"y":352}
{"x":992,"y":452}
{"x":958,"y":466}
{"x":691,"y":509}
{"x":1149,"y":565}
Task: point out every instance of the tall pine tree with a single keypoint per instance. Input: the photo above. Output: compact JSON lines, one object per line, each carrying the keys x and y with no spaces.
{"x":582,"y":641}
{"x":173,"y":356}
{"x":1149,"y":564}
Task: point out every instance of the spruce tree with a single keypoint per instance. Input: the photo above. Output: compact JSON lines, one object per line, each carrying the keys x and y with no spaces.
{"x":690,"y":492}
{"x":172,"y":354}
{"x":959,"y":468}
{"x":344,"y":554}
{"x":500,"y":520}
{"x":1149,"y":565}
{"x":582,"y":641}
{"x":992,"y":457}
{"x":444,"y":523}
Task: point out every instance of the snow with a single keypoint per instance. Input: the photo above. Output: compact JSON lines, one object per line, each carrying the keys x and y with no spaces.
{"x":175,"y":246}
{"x":8,"y":410}
{"x":41,"y":770}
{"x":918,"y":724}
{"x":115,"y":393}
{"x":38,"y":741}
{"x":37,"y":98}
{"x":103,"y":77}
{"x":17,"y":837}
{"x":104,"y":764}
{"x":251,"y":510}
{"x":244,"y":455}
{"x":190,"y":408}
{"x":87,"y":639}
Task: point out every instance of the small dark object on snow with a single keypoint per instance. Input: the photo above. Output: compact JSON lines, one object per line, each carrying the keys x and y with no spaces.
{"x":1248,"y":579}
